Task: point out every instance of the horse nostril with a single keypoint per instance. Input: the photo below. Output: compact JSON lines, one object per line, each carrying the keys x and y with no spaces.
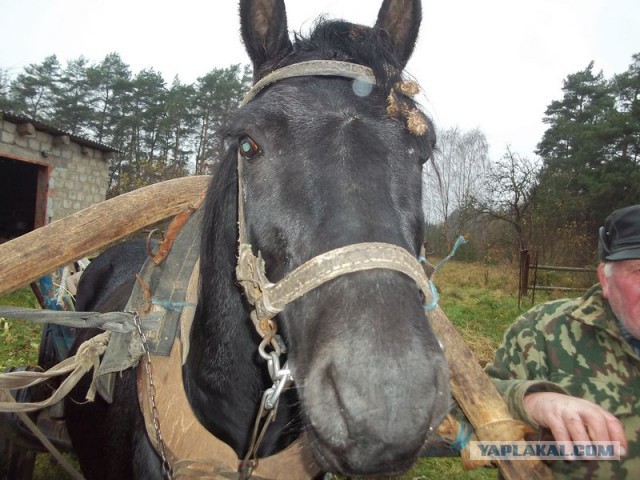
{"x":340,"y":430}
{"x":361,"y":421}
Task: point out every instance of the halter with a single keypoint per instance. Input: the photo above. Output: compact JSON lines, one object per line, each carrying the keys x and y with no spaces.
{"x":267,"y":298}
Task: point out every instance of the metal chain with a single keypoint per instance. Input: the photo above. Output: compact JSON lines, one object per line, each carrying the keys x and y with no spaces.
{"x":281,"y":377}
{"x":148,"y":367}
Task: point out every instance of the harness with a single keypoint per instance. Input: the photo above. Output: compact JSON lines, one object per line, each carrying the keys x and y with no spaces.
{"x":164,"y":300}
{"x":156,"y":324}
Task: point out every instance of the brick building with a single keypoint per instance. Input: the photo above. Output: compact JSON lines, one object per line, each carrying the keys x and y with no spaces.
{"x":46,"y":174}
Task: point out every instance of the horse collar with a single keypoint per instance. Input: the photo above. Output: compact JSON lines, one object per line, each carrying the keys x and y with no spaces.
{"x":186,"y":447}
{"x":191,"y":450}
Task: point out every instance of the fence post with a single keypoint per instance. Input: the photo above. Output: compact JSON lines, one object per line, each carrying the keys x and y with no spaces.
{"x":523,"y":281}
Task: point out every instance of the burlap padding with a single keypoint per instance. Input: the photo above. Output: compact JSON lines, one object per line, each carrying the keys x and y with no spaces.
{"x":191,"y":449}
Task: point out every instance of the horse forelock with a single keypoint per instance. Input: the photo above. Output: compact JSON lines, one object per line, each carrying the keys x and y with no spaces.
{"x":346,"y":41}
{"x":370,"y":47}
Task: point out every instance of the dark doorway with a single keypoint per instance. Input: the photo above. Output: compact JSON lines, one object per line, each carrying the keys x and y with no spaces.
{"x":22,"y":197}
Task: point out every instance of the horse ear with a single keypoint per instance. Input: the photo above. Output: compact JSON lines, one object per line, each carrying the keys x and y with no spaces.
{"x":264,"y":30}
{"x":401,"y":20}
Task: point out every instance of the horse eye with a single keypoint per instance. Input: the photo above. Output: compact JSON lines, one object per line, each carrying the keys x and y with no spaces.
{"x":248,"y":147}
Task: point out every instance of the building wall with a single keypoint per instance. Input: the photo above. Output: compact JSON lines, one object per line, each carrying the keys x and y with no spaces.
{"x":77,"y":174}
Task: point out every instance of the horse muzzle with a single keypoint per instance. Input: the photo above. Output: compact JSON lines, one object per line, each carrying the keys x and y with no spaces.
{"x":379,"y":428}
{"x":374,"y":382}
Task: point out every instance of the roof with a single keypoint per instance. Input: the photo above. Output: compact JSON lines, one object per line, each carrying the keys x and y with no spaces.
{"x":50,"y":129}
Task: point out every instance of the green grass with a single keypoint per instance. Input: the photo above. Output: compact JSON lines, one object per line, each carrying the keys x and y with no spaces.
{"x":481,"y":301}
{"x":449,"y":468}
{"x":20,"y":340}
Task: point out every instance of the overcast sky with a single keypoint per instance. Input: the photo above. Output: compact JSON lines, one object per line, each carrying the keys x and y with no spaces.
{"x":493,"y":64}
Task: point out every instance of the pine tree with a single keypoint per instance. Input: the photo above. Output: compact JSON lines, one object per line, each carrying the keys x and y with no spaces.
{"x":590,"y":149}
{"x":71,"y":108}
{"x":33,"y":91}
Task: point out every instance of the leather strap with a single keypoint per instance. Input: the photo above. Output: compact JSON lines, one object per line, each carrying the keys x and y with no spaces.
{"x":325,"y":68}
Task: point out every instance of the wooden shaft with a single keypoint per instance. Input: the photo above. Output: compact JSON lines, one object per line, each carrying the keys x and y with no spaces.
{"x":480,"y":400}
{"x":26,"y":258}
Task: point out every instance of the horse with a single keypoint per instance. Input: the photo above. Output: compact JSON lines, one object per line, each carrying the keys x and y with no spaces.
{"x":327,"y":161}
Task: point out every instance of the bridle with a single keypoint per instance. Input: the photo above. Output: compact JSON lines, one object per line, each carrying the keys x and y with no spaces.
{"x":267,"y":298}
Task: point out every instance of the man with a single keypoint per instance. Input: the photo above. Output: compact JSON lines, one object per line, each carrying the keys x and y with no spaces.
{"x":572,"y":367}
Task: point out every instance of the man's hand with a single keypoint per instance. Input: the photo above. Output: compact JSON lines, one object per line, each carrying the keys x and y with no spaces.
{"x":574,"y":419}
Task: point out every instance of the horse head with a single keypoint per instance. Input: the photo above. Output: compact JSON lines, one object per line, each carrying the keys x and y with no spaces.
{"x":329,"y":161}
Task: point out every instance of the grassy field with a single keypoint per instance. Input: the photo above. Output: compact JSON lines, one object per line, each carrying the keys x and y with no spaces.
{"x":481,"y":301}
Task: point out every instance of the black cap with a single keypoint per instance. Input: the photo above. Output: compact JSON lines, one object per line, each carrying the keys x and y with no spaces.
{"x":619,"y":238}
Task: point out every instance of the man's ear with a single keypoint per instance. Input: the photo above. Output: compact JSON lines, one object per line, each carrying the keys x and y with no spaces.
{"x":604,"y":281}
{"x":263,"y":24}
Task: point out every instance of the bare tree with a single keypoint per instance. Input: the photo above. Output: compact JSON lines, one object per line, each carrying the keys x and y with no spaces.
{"x":511,"y":181}
{"x":453,"y":181}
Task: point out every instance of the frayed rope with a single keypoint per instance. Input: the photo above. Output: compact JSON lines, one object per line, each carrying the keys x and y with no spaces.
{"x":465,"y":432}
{"x":429,"y":307}
{"x":460,"y":241}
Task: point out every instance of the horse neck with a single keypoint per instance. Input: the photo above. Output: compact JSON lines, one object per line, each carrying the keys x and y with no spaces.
{"x":224,"y":375}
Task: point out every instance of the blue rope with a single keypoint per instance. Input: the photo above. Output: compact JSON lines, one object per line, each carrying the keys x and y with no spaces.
{"x":429,"y":307}
{"x":465,"y":432}
{"x":460,"y":241}
{"x":173,"y":306}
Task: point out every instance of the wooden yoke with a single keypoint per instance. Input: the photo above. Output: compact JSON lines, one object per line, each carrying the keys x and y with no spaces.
{"x":64,"y":241}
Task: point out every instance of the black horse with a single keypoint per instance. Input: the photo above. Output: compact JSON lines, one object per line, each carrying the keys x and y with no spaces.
{"x":325,"y":164}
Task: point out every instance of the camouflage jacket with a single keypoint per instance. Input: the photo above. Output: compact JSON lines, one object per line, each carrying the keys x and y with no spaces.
{"x":574,"y":347}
